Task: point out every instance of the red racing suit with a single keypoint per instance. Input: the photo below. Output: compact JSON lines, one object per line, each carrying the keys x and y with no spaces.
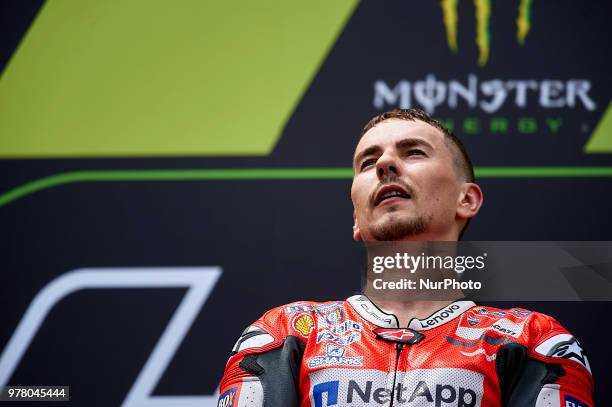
{"x":351,"y":353}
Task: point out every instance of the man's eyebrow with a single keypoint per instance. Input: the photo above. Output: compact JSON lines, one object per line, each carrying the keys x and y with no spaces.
{"x":412,"y":142}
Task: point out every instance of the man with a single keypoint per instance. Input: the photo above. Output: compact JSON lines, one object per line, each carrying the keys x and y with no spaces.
{"x":413,"y":180}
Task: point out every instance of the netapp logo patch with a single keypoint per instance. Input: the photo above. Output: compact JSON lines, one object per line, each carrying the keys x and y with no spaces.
{"x":422,"y":387}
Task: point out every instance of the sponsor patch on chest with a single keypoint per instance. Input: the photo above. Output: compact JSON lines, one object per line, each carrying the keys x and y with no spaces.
{"x":420,"y":387}
{"x":474,"y":324}
{"x":334,"y":356}
{"x":569,"y":401}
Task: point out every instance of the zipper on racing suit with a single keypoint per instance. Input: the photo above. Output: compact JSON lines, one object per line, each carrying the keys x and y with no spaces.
{"x":399,"y":347}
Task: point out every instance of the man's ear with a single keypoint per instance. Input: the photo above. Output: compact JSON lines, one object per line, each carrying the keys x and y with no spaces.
{"x":356,"y":232}
{"x":470,"y":201}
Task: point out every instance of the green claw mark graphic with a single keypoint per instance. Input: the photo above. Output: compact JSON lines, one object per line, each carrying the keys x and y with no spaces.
{"x":483,"y":18}
{"x":483,"y":36}
{"x":523,"y":21}
{"x":449,"y":12}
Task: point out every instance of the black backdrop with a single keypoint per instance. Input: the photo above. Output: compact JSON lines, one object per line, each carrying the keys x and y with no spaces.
{"x":278,"y":241}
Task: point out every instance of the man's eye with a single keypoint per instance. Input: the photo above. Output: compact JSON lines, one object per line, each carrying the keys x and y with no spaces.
{"x":367,"y":163}
{"x":415,"y":152}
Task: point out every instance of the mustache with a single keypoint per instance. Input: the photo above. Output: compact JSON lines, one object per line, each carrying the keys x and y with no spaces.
{"x":390,"y":179}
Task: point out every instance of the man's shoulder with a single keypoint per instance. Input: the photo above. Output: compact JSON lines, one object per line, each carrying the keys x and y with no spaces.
{"x":543,"y":336}
{"x":298,"y":317}
{"x":516,"y":314}
{"x":310,"y":307}
{"x":522,"y":322}
{"x":516,"y":324}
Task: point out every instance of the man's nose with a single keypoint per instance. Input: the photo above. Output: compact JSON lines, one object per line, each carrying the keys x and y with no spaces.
{"x":387,"y":165}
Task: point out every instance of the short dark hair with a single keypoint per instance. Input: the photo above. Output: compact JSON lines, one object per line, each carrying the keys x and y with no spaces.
{"x":462,"y":160}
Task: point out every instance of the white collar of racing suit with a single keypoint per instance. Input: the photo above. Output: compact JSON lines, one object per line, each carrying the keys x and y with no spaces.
{"x":370,"y":312}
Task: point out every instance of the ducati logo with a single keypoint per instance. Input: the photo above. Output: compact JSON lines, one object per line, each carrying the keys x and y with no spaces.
{"x":472,"y":320}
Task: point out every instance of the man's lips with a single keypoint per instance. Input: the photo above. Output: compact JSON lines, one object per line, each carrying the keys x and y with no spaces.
{"x":390,"y":193}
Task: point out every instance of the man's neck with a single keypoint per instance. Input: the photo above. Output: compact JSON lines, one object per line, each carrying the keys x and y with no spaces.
{"x":425,"y":302}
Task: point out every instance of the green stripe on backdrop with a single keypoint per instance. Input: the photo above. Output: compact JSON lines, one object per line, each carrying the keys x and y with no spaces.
{"x":258,"y":174}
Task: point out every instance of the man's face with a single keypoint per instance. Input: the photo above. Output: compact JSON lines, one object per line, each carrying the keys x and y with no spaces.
{"x":405,"y":183}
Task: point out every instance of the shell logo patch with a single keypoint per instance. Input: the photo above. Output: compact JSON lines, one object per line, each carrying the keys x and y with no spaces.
{"x":303,"y":323}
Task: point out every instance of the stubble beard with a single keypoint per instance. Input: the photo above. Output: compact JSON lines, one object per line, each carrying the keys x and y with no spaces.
{"x":397,"y":228}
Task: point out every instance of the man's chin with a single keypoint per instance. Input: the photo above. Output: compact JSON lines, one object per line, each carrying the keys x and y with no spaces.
{"x":397,"y":228}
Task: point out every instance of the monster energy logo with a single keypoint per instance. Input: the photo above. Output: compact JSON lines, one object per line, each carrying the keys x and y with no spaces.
{"x":489,"y":95}
{"x":483,"y":35}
